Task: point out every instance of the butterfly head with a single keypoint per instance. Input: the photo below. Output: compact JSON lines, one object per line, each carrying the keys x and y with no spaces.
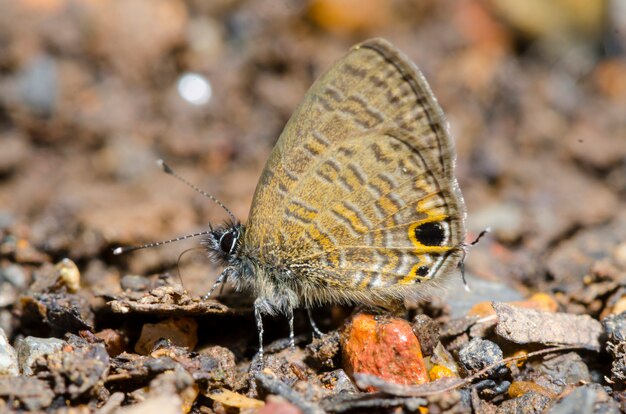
{"x":223,"y":242}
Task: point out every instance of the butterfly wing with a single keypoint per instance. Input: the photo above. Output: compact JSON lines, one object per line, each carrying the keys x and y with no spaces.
{"x":359,"y":198}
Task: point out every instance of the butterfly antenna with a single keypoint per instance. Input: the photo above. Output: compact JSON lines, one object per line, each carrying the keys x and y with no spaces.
{"x":180,"y":257}
{"x":480,"y":236}
{"x":120,"y":250}
{"x":166,"y":168}
{"x":465,"y":246}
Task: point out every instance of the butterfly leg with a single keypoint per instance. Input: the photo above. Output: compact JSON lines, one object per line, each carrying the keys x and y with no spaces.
{"x":292,"y":340}
{"x":221,"y":280}
{"x":258,"y":303}
{"x":316,"y":330}
{"x":256,"y":365}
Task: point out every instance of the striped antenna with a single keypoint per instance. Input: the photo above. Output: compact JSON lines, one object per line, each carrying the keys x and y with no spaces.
{"x":166,"y":168}
{"x":120,"y":250}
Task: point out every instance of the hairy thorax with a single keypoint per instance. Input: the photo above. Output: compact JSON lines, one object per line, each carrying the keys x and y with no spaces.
{"x":277,"y":288}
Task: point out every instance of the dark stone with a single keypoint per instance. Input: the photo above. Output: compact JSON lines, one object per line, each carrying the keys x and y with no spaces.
{"x":480,"y":353}
{"x":215,"y":365}
{"x":338,"y":381}
{"x":324,"y":351}
{"x":564,"y":369}
{"x":615,"y":327}
{"x":488,"y":389}
{"x":135,"y":283}
{"x":77,"y":373}
{"x":54,"y":314}
{"x":427,"y":332}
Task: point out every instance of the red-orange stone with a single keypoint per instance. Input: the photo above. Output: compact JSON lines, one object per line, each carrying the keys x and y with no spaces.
{"x":383,"y":346}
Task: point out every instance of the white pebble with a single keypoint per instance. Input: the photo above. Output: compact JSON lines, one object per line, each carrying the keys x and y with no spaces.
{"x":194,"y":88}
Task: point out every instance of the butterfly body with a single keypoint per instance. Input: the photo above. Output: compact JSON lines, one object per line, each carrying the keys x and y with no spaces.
{"x":358,"y":202}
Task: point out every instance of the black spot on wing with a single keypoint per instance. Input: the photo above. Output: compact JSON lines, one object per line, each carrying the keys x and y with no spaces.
{"x":430,"y":234}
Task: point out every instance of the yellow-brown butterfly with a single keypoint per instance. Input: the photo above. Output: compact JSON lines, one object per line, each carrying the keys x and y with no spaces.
{"x":358,"y":202}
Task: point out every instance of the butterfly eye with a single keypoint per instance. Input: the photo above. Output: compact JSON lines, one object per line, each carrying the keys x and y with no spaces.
{"x":228,"y":241}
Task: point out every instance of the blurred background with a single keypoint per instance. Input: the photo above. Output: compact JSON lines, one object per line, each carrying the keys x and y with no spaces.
{"x":93,"y":92}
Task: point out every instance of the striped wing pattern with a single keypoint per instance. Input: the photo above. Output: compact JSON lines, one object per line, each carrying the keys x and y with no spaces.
{"x":359,"y":194}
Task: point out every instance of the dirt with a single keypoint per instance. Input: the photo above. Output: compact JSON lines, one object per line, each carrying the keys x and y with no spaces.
{"x":89,"y":102}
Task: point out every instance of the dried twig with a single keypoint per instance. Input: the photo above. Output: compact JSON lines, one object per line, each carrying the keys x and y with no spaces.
{"x":444,"y":384}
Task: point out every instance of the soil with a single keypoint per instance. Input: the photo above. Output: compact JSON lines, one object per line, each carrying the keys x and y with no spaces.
{"x":89,"y":100}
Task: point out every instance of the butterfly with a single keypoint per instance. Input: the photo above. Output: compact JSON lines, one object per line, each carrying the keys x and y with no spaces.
{"x":358,"y":202}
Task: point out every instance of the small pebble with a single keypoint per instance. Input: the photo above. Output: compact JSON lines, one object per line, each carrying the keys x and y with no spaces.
{"x":440,"y":371}
{"x":383,"y":346}
{"x":489,"y":389}
{"x":519,"y":325}
{"x":68,"y":275}
{"x":31,"y":348}
{"x":8,"y":357}
{"x":447,"y":366}
{"x":39,"y":85}
{"x":560,"y":370}
{"x":323,"y":351}
{"x":194,"y":88}
{"x":348,"y":16}
{"x":519,"y":388}
{"x":114,"y":341}
{"x":12,"y":279}
{"x":591,"y":398}
{"x":528,"y":403}
{"x":218,"y":364}
{"x":427,"y":331}
{"x":135,"y":283}
{"x":616,"y":303}
{"x":8,"y":294}
{"x":7,"y":322}
{"x":179,"y":331}
{"x":480,"y":353}
{"x":615,"y":327}
{"x":338,"y":381}
{"x":15,"y":275}
{"x":538,"y":301}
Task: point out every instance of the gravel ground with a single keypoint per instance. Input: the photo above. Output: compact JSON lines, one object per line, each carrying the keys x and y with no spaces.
{"x":92,"y":94}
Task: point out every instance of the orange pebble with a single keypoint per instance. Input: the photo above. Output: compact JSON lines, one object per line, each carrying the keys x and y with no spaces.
{"x":383,"y":346}
{"x":23,"y":244}
{"x":440,"y":371}
{"x":519,"y":362}
{"x":348,"y":16}
{"x":481,"y":310}
{"x":538,"y":301}
{"x":543,"y":301}
{"x":519,"y":388}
